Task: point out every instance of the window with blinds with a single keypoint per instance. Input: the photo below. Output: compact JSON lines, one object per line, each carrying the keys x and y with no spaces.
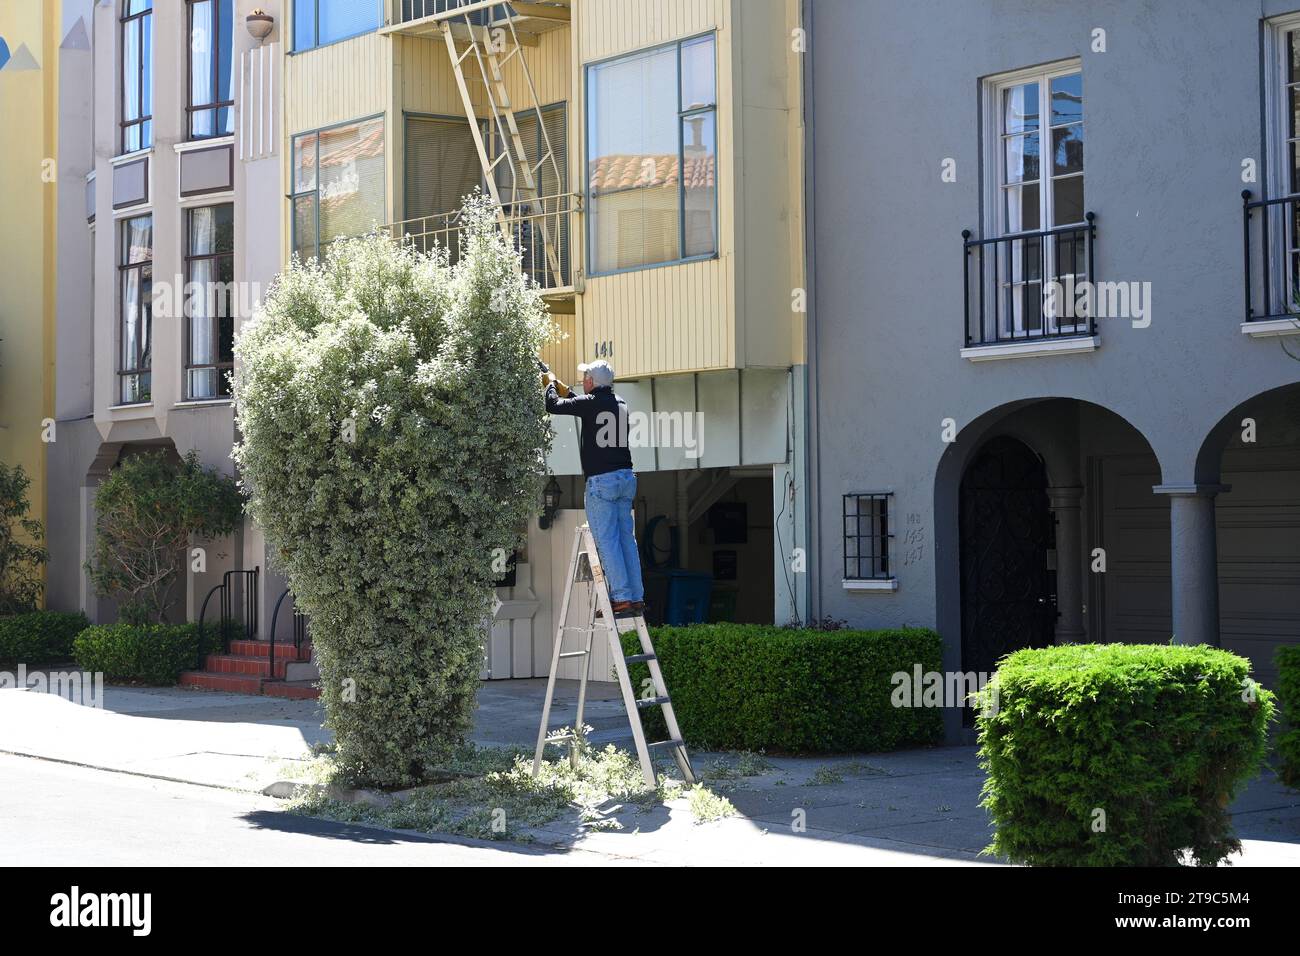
{"x":442,"y":168}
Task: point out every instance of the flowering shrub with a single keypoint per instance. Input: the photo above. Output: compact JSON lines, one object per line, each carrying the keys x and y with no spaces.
{"x":394,"y":441}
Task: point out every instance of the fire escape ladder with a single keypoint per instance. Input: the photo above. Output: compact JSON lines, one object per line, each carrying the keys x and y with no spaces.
{"x":492,"y":48}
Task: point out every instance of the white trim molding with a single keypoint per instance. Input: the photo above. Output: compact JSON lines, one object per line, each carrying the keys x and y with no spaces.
{"x":871,"y":584}
{"x":1073,"y":345}
{"x":1271,"y":328}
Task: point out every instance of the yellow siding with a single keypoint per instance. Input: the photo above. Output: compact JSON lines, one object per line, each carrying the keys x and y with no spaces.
{"x":729,"y":312}
{"x":336,"y":83}
{"x":427,"y":82}
{"x":676,"y":318}
{"x":548,"y":64}
{"x":769,"y":226}
{"x":562,"y":356}
{"x":610,"y":27}
{"x":28,"y":103}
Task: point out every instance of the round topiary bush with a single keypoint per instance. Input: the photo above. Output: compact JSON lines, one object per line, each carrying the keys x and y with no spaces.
{"x":394,"y":439}
{"x":1119,"y":754}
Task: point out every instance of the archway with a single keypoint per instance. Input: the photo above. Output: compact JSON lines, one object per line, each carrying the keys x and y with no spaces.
{"x":1253,"y":456}
{"x":1093,"y":472}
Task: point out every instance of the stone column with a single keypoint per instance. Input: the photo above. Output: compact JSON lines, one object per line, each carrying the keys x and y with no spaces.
{"x":1193,"y":561}
{"x":1065,"y":504}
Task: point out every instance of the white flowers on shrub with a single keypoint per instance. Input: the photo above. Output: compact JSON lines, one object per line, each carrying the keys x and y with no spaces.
{"x":393,"y":436}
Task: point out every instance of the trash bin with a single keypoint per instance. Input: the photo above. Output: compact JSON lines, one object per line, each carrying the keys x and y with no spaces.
{"x":687,"y":600}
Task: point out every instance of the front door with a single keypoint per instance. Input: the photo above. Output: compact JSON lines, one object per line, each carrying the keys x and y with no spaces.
{"x":1008,"y":596}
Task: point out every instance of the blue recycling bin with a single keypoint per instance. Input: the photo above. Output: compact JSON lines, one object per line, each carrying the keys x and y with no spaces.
{"x":687,"y":600}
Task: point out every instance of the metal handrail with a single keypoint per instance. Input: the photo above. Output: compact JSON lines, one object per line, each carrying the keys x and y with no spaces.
{"x":226,"y":605}
{"x":520,"y":220}
{"x":1042,"y":240}
{"x":299,"y":629}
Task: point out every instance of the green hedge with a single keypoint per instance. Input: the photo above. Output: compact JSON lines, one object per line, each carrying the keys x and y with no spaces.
{"x":752,"y":687}
{"x":1120,"y":754}
{"x":39,"y":637}
{"x":1288,"y":692}
{"x":150,"y":653}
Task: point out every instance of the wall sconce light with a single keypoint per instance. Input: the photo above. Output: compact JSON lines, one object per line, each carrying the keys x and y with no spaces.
{"x":551,"y":496}
{"x":259,"y":24}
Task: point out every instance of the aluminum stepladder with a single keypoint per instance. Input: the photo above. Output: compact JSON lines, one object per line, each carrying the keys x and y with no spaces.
{"x":585,"y":566}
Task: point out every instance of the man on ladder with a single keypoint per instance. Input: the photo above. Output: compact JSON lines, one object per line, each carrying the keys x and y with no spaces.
{"x":604,"y":553}
{"x":611,"y":483}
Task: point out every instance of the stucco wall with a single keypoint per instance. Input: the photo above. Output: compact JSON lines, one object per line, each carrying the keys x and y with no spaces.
{"x":1170,"y":110}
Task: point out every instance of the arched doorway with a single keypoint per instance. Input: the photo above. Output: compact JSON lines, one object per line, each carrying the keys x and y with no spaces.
{"x":1005,"y":528}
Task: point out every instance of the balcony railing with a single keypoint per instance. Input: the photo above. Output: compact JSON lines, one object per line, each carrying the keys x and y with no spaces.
{"x":1271,"y":241}
{"x":540,"y":228}
{"x":480,"y":13}
{"x":1028,"y":286}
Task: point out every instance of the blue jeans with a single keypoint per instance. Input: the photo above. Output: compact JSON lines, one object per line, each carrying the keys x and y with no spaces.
{"x":609,"y":503}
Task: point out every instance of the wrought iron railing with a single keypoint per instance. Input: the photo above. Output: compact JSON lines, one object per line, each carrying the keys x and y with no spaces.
{"x":529,"y":223}
{"x":1028,"y":285}
{"x":299,"y":630}
{"x":1271,"y":244}
{"x":247,"y":602}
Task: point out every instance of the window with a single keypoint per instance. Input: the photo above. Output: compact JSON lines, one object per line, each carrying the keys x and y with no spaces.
{"x":1279,"y":227}
{"x":135,"y":291}
{"x":209,"y":282}
{"x":137,"y":75}
{"x":1037,"y":194}
{"x":338,"y":184}
{"x":317,"y":22}
{"x":867,"y":537}
{"x":211,"y":106}
{"x":651,"y":158}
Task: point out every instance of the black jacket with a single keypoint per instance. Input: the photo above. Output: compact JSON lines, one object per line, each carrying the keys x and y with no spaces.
{"x":602,"y":425}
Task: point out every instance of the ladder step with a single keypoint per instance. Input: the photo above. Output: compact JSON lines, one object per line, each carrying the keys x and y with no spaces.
{"x":653,"y":702}
{"x":665,"y":743}
{"x":567,"y":654}
{"x":640,"y":658}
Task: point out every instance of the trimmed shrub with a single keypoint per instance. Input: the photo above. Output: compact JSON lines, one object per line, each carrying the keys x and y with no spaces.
{"x":751,"y":687}
{"x":1119,"y":754}
{"x":39,"y":637}
{"x":393,"y":440}
{"x":149,"y":653}
{"x":148,"y":509}
{"x":1288,"y":692}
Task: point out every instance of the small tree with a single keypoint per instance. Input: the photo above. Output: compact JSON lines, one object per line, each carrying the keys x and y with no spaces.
{"x":22,"y":555}
{"x":393,"y":442}
{"x":148,"y":508}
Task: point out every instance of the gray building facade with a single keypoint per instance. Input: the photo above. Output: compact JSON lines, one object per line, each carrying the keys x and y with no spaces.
{"x":1055,"y":362}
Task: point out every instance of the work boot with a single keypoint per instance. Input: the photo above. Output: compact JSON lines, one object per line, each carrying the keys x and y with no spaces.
{"x":624,"y":609}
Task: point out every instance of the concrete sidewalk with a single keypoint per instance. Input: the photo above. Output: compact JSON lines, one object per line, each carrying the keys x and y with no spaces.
{"x":916,"y":807}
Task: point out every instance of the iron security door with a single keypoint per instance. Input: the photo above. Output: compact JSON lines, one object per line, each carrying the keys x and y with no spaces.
{"x":1007,"y":599}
